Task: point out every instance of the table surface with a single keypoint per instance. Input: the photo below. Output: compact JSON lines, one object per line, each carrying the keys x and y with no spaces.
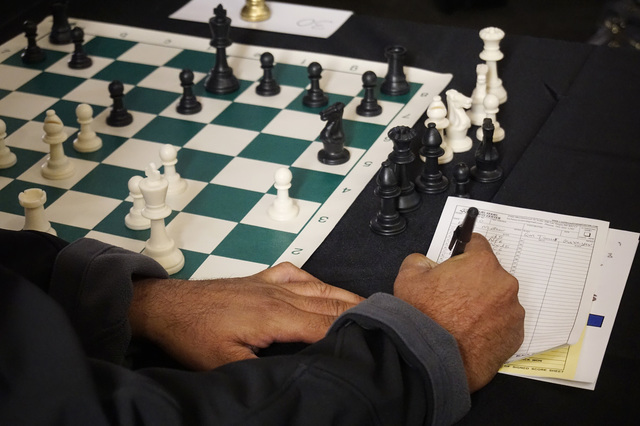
{"x":571,"y":124}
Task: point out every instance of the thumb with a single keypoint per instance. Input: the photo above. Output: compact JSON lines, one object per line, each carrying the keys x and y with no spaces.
{"x":418,"y":261}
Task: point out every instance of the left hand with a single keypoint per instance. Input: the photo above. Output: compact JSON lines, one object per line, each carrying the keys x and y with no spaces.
{"x":205,"y":324}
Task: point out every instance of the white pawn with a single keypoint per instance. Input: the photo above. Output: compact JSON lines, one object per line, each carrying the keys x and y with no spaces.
{"x":437,"y":113}
{"x":134,"y":219}
{"x":160,"y":246}
{"x":87,"y":140}
{"x":169,"y":157}
{"x":476,"y":113}
{"x":283,"y":207}
{"x":7,"y":158}
{"x":491,"y":36}
{"x":491,"y":107}
{"x":33,"y":200}
{"x":57,"y":165}
{"x":459,"y":122}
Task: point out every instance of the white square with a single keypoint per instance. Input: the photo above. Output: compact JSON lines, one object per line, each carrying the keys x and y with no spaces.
{"x":81,"y":169}
{"x":14,"y":77}
{"x":287,"y":95}
{"x":309,"y":160}
{"x":260,"y":177}
{"x":149,"y":54}
{"x":180,"y":201}
{"x":125,"y":243}
{"x":245,"y":69}
{"x":140,"y":119}
{"x":30,"y":135}
{"x":258,"y":215}
{"x":341,"y":83}
{"x":167,"y":79}
{"x":62,"y":67}
{"x":226,"y":267}
{"x":10,"y":221}
{"x":295,"y":124}
{"x":222,"y":139}
{"x":25,"y":105}
{"x":135,"y":154}
{"x":80,"y":209}
{"x":198,"y":233}
{"x":211,"y":108}
{"x":389,"y":111}
{"x":94,"y":92}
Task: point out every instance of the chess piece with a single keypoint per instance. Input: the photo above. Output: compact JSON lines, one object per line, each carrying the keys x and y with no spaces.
{"x":33,"y":200}
{"x":188,"y":103}
{"x":160,"y":246}
{"x":437,"y":114}
{"x":395,"y":82}
{"x":268,"y":86}
{"x":476,"y":113}
{"x":7,"y":158}
{"x":459,"y":121}
{"x":119,"y":116}
{"x":32,"y":54}
{"x":87,"y":140}
{"x":387,"y":221}
{"x":332,"y":137}
{"x":486,"y":169}
{"x":401,"y":156}
{"x":220,"y":79}
{"x":169,"y":157}
{"x":60,"y":29}
{"x":315,"y":96}
{"x":57,"y":165}
{"x":134,"y":219}
{"x":431,"y":180}
{"x":255,"y":11}
{"x":491,"y":108}
{"x":79,"y":59}
{"x":461,"y":179}
{"x":491,"y":54}
{"x":369,"y":106}
{"x":283,"y":207}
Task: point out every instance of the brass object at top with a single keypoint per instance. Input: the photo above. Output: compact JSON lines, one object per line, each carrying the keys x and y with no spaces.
{"x":255,"y":11}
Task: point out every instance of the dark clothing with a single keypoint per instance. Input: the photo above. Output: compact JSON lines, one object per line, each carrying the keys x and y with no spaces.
{"x":64,"y":334}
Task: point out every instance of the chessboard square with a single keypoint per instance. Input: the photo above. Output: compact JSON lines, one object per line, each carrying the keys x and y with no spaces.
{"x":223,"y":202}
{"x":107,"y":47}
{"x":192,"y":261}
{"x":30,"y":135}
{"x":94,"y":92}
{"x":67,"y":232}
{"x":255,"y":244}
{"x":211,"y":108}
{"x":113,"y":224}
{"x":169,"y":130}
{"x":200,"y":165}
{"x":62,"y":67}
{"x":309,"y":160}
{"x":313,"y":185}
{"x":24,"y":105}
{"x":11,"y":191}
{"x":51,"y":57}
{"x":167,"y":79}
{"x":295,"y":124}
{"x":297,"y":104}
{"x":403,"y":99}
{"x":66,"y":111}
{"x":14,"y":77}
{"x":107,"y":180}
{"x":13,"y":124}
{"x":149,"y":54}
{"x":178,"y":201}
{"x":109,"y":144}
{"x":199,"y":89}
{"x":221,"y":139}
{"x":25,"y":159}
{"x":126,"y":72}
{"x":50,"y":84}
{"x":4,"y":93}
{"x":140,"y":120}
{"x":281,"y":100}
{"x":341,"y":83}
{"x":389,"y":112}
{"x":196,"y":61}
{"x":291,"y":75}
{"x":198,"y":233}
{"x":81,"y":169}
{"x":275,"y":149}
{"x":245,"y":69}
{"x":259,"y":216}
{"x":80,"y":209}
{"x":130,"y":244}
{"x":245,"y":173}
{"x":243,"y":116}
{"x":11,"y":222}
{"x":4,"y":181}
{"x":226,"y":267}
{"x":135,"y":154}
{"x":361,"y":135}
{"x":149,"y":100}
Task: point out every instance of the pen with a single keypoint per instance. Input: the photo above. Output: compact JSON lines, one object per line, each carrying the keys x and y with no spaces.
{"x":462,"y":234}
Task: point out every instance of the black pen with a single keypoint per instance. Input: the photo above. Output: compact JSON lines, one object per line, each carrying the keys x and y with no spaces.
{"x":462,"y":234}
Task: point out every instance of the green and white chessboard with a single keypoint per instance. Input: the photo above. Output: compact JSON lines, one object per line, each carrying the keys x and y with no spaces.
{"x":228,"y":152}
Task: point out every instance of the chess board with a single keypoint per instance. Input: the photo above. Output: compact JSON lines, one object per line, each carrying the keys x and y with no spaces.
{"x":228,"y":153}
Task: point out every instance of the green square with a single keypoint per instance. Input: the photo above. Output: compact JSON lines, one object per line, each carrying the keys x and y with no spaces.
{"x":25,"y":159}
{"x":50,"y":84}
{"x":200,"y":165}
{"x":169,"y":130}
{"x":359,"y":134}
{"x":201,"y":91}
{"x":403,"y":99}
{"x":254,"y":244}
{"x":291,"y":75}
{"x":13,"y":124}
{"x":195,"y":61}
{"x":126,"y":72}
{"x":245,"y":116}
{"x":275,"y":149}
{"x":10,"y":203}
{"x":109,"y":144}
{"x":107,"y":181}
{"x":312,"y":185}
{"x":51,"y":58}
{"x":107,"y":47}
{"x":114,"y":224}
{"x":69,"y":233}
{"x":297,"y":104}
{"x":223,"y":202}
{"x":192,"y":261}
{"x":149,"y":100}
{"x":4,"y":93}
{"x":66,"y":111}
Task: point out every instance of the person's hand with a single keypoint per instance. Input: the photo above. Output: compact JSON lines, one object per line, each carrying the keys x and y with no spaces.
{"x":205,"y":324}
{"x":472,"y":297}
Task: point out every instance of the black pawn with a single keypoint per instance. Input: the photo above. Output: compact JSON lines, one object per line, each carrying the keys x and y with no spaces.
{"x":315,"y":97}
{"x":119,"y":116}
{"x":220,"y":79}
{"x":431,"y":180}
{"x":60,"y":29}
{"x":369,"y":106}
{"x":395,"y":82}
{"x":32,"y":54}
{"x":79,"y":59}
{"x":332,"y":137}
{"x":461,"y":179}
{"x":486,"y":169}
{"x":387,"y":221}
{"x":268,"y":85}
{"x":401,"y":157}
{"x":188,"y":102}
